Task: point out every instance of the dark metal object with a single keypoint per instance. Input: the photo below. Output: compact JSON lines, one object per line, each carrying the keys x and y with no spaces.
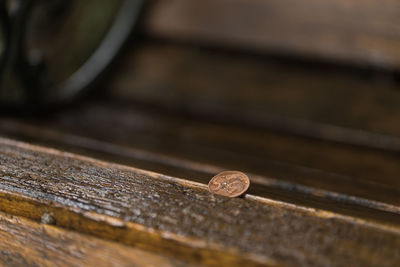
{"x":30,"y":75}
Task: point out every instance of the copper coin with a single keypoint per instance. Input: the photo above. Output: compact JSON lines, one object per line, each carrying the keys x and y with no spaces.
{"x":229,"y":183}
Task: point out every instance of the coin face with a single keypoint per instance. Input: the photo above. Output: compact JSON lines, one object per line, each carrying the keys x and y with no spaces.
{"x":229,"y":183}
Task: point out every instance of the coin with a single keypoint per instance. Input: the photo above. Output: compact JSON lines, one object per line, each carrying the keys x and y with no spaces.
{"x":229,"y":183}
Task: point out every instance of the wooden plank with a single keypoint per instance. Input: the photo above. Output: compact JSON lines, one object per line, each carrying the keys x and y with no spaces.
{"x":277,"y":188}
{"x":259,"y":91}
{"x":158,"y":212}
{"x":195,"y":149}
{"x":27,"y":243}
{"x":362,"y":32}
{"x":246,"y":92}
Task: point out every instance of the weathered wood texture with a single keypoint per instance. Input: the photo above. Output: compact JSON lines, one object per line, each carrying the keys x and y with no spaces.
{"x":196,"y":149}
{"x":363,"y":32}
{"x":329,"y":200}
{"x":162,"y":213}
{"x":27,"y":243}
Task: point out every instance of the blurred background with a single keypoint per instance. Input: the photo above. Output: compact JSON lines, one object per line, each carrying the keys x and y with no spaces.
{"x":304,"y":92}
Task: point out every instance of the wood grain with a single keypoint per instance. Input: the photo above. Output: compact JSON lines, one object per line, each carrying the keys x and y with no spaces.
{"x":260,"y":92}
{"x":255,"y":115}
{"x":27,"y":243}
{"x":328,"y":191}
{"x":294,"y":169}
{"x":362,"y":32}
{"x":182,"y":218}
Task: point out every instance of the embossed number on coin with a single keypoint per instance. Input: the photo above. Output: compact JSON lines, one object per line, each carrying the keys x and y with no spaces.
{"x":229,"y":183}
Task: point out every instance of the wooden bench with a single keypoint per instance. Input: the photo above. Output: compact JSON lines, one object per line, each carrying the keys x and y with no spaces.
{"x":302,"y":96}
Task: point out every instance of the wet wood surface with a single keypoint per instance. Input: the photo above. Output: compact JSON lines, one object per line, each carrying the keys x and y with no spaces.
{"x":24,"y":242}
{"x":167,"y":114}
{"x":197,"y":149}
{"x":181,"y":218}
{"x":361,"y":32}
{"x":252,"y":88}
